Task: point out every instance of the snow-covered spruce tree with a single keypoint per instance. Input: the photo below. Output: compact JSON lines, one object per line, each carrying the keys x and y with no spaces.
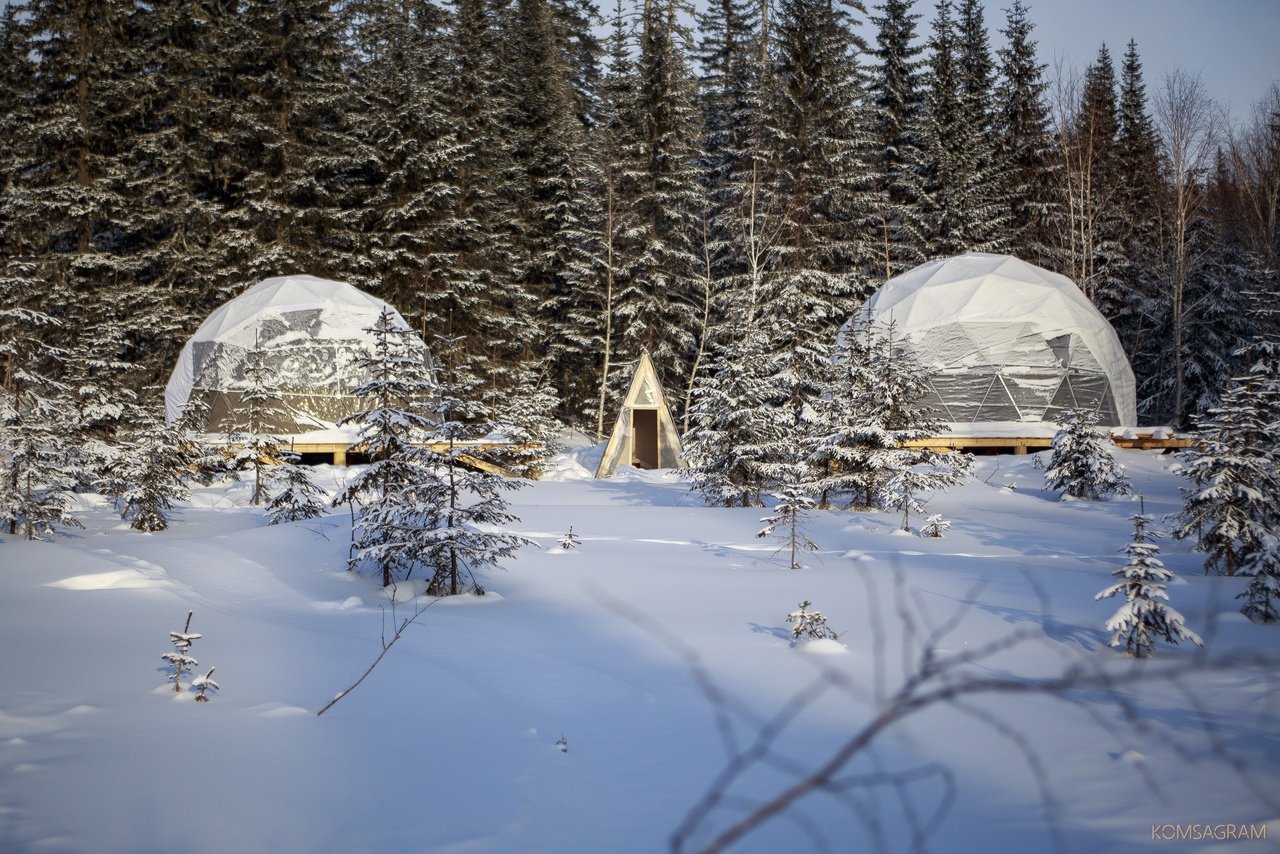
{"x":609,"y":149}
{"x":815,"y":143}
{"x":449,"y":518}
{"x":1144,"y":617}
{"x":525,"y":416}
{"x":1134,"y":294}
{"x":1235,"y":466}
{"x":731,"y":427}
{"x":961,"y":191}
{"x":1261,"y":562}
{"x":398,"y":104}
{"x":654,"y":302}
{"x":150,"y":471}
{"x":480,"y":295}
{"x":37,"y":466}
{"x":876,"y":405}
{"x":100,"y":387}
{"x":397,"y":394}
{"x":727,"y":55}
{"x":810,"y":625}
{"x":1086,"y":222}
{"x":248,"y":427}
{"x":788,"y":521}
{"x":897,"y":161}
{"x":298,"y":497}
{"x":1080,"y":465}
{"x":293,"y":132}
{"x":556,"y":213}
{"x":466,"y":504}
{"x":1022,"y":141}
{"x":1218,"y":321}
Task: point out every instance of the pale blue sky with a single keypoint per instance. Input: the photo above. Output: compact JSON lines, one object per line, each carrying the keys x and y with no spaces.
{"x":1233,"y":44}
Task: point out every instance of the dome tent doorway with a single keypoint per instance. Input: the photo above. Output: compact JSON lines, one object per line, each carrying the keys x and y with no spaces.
{"x":643,"y":435}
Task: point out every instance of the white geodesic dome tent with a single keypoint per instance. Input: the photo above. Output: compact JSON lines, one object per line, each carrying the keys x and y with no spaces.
{"x":1006,"y":341}
{"x":309,"y":333}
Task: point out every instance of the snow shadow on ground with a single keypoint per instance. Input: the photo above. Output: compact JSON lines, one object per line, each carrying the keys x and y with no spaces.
{"x":775,"y":631}
{"x":1055,"y":630}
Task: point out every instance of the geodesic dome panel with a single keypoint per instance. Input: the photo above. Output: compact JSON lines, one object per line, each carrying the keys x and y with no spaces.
{"x":307,"y":335}
{"x":1005,"y":340}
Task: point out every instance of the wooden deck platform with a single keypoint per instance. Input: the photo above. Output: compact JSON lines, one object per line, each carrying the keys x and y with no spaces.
{"x":339,"y":451}
{"x":1032,"y":444}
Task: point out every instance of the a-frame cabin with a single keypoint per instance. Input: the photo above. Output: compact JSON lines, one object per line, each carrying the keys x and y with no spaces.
{"x":643,"y":434}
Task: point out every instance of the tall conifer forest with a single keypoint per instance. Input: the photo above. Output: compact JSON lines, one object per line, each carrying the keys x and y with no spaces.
{"x":547,"y":188}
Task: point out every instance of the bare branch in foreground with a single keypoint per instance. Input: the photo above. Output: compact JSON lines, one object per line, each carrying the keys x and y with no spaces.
{"x":386,"y":646}
{"x":932,"y":677}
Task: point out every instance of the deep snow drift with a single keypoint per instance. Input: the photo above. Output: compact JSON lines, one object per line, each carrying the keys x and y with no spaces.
{"x":451,"y":743}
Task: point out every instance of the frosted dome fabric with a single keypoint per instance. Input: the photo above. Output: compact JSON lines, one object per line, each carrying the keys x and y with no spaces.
{"x":1005,"y":340}
{"x":309,"y":333}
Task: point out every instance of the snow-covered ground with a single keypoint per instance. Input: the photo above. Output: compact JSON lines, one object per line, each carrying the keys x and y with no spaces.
{"x":450,"y":744}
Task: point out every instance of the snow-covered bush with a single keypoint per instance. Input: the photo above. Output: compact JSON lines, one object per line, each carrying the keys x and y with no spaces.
{"x":179,"y":659}
{"x":811,"y":625}
{"x":1143,"y":618}
{"x":935,"y":527}
{"x":1081,"y":466}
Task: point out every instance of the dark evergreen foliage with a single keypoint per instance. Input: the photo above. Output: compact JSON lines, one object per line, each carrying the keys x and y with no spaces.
{"x":897,"y":122}
{"x":1232,"y":508}
{"x":725,"y":207}
{"x":1023,"y":143}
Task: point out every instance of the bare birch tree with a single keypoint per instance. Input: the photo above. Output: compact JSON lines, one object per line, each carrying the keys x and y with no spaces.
{"x":1189,"y":123}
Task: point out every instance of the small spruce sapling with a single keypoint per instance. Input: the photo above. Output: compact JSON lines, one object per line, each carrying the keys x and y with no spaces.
{"x":570,"y":541}
{"x":811,"y":625}
{"x":935,"y":527}
{"x":787,"y":523}
{"x":204,"y":683}
{"x":1144,"y":618}
{"x":181,"y":662}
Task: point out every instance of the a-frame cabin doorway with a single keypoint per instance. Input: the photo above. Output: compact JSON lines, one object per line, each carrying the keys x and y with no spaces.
{"x":644,"y":438}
